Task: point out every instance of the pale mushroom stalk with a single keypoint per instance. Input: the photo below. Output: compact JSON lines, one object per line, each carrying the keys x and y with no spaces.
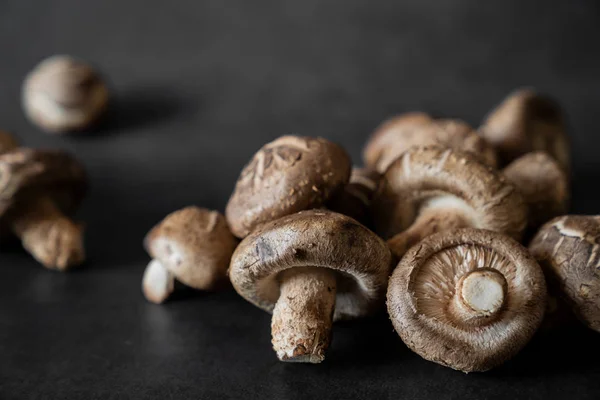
{"x":479,"y":296}
{"x":303,"y":314}
{"x":158,"y":283}
{"x":50,"y":236}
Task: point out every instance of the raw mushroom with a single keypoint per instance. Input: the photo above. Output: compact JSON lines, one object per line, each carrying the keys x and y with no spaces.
{"x":468,"y":299}
{"x":434,"y":189}
{"x":288,"y":175}
{"x":524,"y":122}
{"x":7,"y":142}
{"x":399,"y":134}
{"x":355,"y":200}
{"x":193,"y":245}
{"x":64,"y":94}
{"x":543,"y":184}
{"x":38,"y":189}
{"x":309,"y":269}
{"x":568,"y":249}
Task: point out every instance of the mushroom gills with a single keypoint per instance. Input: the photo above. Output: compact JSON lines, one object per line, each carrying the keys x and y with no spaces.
{"x":303,"y":314}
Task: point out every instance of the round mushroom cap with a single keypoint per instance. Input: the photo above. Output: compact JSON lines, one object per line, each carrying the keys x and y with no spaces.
{"x":7,"y":142}
{"x":195,"y":245}
{"x":568,"y":249}
{"x":543,"y":184}
{"x":424,"y":288}
{"x":524,"y":122}
{"x":288,"y":175}
{"x":444,"y":179}
{"x":314,"y":238}
{"x":64,"y":94}
{"x":355,"y":200}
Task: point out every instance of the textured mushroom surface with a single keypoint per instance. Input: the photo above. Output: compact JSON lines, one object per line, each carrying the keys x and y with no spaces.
{"x":356,"y":198}
{"x":524,"y":122}
{"x":64,"y":94}
{"x":355,"y":265}
{"x":543,"y":184}
{"x":194,"y":245}
{"x":432,"y":189}
{"x":288,"y":175}
{"x":469,"y":299}
{"x":568,"y":249}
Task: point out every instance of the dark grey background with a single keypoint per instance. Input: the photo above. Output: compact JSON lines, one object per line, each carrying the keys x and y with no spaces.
{"x":198,"y":87}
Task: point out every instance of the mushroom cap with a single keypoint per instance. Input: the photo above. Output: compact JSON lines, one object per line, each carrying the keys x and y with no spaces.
{"x":64,"y":94}
{"x":399,"y":134}
{"x":7,"y":142}
{"x":568,"y":249}
{"x":26,"y":172}
{"x":195,"y":245}
{"x":527,"y":121}
{"x":288,"y":175}
{"x":423,"y":285}
{"x":543,"y":184}
{"x":355,"y":200}
{"x":446,"y":179}
{"x":314,"y":238}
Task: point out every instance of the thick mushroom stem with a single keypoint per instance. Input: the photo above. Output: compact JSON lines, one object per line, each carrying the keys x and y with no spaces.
{"x":479,"y":297}
{"x":47,"y":234}
{"x":158,"y":283}
{"x":303,"y":315}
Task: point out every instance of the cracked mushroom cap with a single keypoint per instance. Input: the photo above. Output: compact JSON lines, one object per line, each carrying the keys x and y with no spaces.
{"x":399,"y":134}
{"x":64,"y":94}
{"x":450,"y":188}
{"x":288,"y":175}
{"x":469,"y":299}
{"x":543,"y":184}
{"x":527,"y":121}
{"x":315,"y":238}
{"x":568,"y":249}
{"x":7,"y":142}
{"x":355,"y":200}
{"x":193,"y":245}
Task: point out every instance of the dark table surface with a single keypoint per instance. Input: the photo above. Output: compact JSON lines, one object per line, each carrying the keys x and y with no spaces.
{"x":198,"y":87}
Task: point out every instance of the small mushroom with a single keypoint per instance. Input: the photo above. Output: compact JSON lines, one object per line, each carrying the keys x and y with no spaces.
{"x":543,"y":184}
{"x":468,"y":299}
{"x":568,"y":249}
{"x":7,"y":142}
{"x":355,"y":200}
{"x":193,"y":245}
{"x":310,"y":269}
{"x":38,"y":189}
{"x":63,"y":94}
{"x":434,"y":189}
{"x":288,"y":175}
{"x":524,"y":122}
{"x":399,"y":134}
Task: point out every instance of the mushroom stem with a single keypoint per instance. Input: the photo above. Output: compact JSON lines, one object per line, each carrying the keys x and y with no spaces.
{"x":303,"y":315}
{"x":480,"y":295}
{"x":158,"y":283}
{"x":47,"y":234}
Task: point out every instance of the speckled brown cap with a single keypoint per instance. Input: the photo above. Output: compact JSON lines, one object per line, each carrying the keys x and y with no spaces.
{"x":527,"y":121}
{"x":469,"y":299}
{"x":356,"y":198}
{"x":568,"y":249}
{"x":288,"y":175}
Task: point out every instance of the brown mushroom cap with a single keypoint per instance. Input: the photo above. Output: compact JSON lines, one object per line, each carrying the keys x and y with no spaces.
{"x":315,"y":238}
{"x":399,"y":134}
{"x":7,"y":142}
{"x":468,"y":299}
{"x":524,"y":122}
{"x":64,"y":94}
{"x":288,"y":175}
{"x":452,"y":189}
{"x":568,"y":249}
{"x":355,"y":200}
{"x":195,"y":245}
{"x":543,"y":184}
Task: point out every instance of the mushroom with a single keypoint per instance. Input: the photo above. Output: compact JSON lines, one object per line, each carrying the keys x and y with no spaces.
{"x":395,"y":136}
{"x":468,"y":299}
{"x":309,"y":269}
{"x":433,"y":189}
{"x":38,"y":189}
{"x":64,"y":94}
{"x":568,"y":249}
{"x":193,"y":245}
{"x":7,"y":142}
{"x":355,"y":200}
{"x":524,"y":122}
{"x":543,"y":184}
{"x":288,"y":175}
